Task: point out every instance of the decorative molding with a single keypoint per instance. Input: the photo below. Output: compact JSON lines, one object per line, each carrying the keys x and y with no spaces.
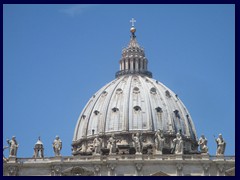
{"x":179,"y":166}
{"x":56,"y":170}
{"x":111,"y":167}
{"x":206,"y":166}
{"x":13,"y":170}
{"x":139,"y":166}
{"x":221,"y":167}
{"x":97,"y":169}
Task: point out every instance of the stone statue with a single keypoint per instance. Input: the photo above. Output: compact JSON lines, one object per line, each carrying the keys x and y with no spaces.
{"x":178,"y":144}
{"x":38,"y":149}
{"x":137,"y":143}
{"x":202,"y":142}
{"x":97,"y":144}
{"x":159,"y":141}
{"x":221,"y":145}
{"x":83,"y":148}
{"x":57,"y":146}
{"x":89,"y":149}
{"x":13,"y":146}
{"x":111,"y":144}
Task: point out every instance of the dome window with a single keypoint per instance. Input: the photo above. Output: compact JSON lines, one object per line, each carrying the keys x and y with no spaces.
{"x":104,"y":93}
{"x":158,"y":109}
{"x":176,"y":112}
{"x":176,"y":96}
{"x":115,"y":109}
{"x":167,"y":93}
{"x":137,"y":108}
{"x":153,"y":91}
{"x":83,"y":116}
{"x":96,"y":112}
{"x":136,"y":90}
{"x":119,"y":91}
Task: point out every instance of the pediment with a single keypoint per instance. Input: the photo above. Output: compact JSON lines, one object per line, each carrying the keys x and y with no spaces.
{"x":159,"y":173}
{"x":230,"y":172}
{"x":77,"y":171}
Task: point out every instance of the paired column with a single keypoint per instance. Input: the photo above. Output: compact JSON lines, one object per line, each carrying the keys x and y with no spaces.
{"x":111,"y":169}
{"x":179,"y":167}
{"x":131,"y":64}
{"x":126,"y":64}
{"x":206,"y":167}
{"x":141,"y":64}
{"x":221,"y":169}
{"x":139,"y":169}
{"x":136,"y":64}
{"x":97,"y":171}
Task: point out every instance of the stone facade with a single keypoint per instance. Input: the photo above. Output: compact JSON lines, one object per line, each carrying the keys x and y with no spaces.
{"x":122,"y":165}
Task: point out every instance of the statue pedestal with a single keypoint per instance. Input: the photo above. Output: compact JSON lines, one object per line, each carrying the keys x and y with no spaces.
{"x":158,"y":152}
{"x":158,"y":156}
{"x":96,"y":156}
{"x":205,"y":156}
{"x":138,"y":156}
{"x":220,"y":157}
{"x":179,"y":156}
{"x":112,"y":156}
{"x":58,"y":158}
{"x":12,"y":159}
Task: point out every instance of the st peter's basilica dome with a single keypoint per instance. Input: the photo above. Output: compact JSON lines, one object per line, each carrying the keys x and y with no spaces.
{"x":133,"y":103}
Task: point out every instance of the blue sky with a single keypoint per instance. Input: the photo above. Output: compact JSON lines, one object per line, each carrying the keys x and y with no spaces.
{"x":55,"y":57}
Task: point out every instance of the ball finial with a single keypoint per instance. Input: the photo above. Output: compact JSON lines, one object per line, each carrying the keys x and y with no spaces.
{"x":133,"y":30}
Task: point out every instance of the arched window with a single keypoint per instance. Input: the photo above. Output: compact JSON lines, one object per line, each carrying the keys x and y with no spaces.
{"x":176,"y":112}
{"x":158,"y":109}
{"x":115,"y":109}
{"x":119,"y":91}
{"x":104,"y":93}
{"x":137,"y":108}
{"x":96,"y":112}
{"x":167,"y":93}
{"x":153,"y":90}
{"x":136,"y":90}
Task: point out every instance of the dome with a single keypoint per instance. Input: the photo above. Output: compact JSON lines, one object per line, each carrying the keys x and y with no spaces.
{"x":132,"y":103}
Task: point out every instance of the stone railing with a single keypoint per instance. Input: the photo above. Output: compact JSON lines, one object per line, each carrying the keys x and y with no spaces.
{"x":164,"y":157}
{"x":123,"y":72}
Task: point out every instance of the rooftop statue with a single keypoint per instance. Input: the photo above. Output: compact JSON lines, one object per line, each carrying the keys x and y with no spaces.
{"x":57,"y":146}
{"x":202,"y":142}
{"x":112,"y":144}
{"x":97,"y":145}
{"x":137,"y":143}
{"x":178,"y":144}
{"x":13,"y":146}
{"x":159,"y":141}
{"x":221,"y":145}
